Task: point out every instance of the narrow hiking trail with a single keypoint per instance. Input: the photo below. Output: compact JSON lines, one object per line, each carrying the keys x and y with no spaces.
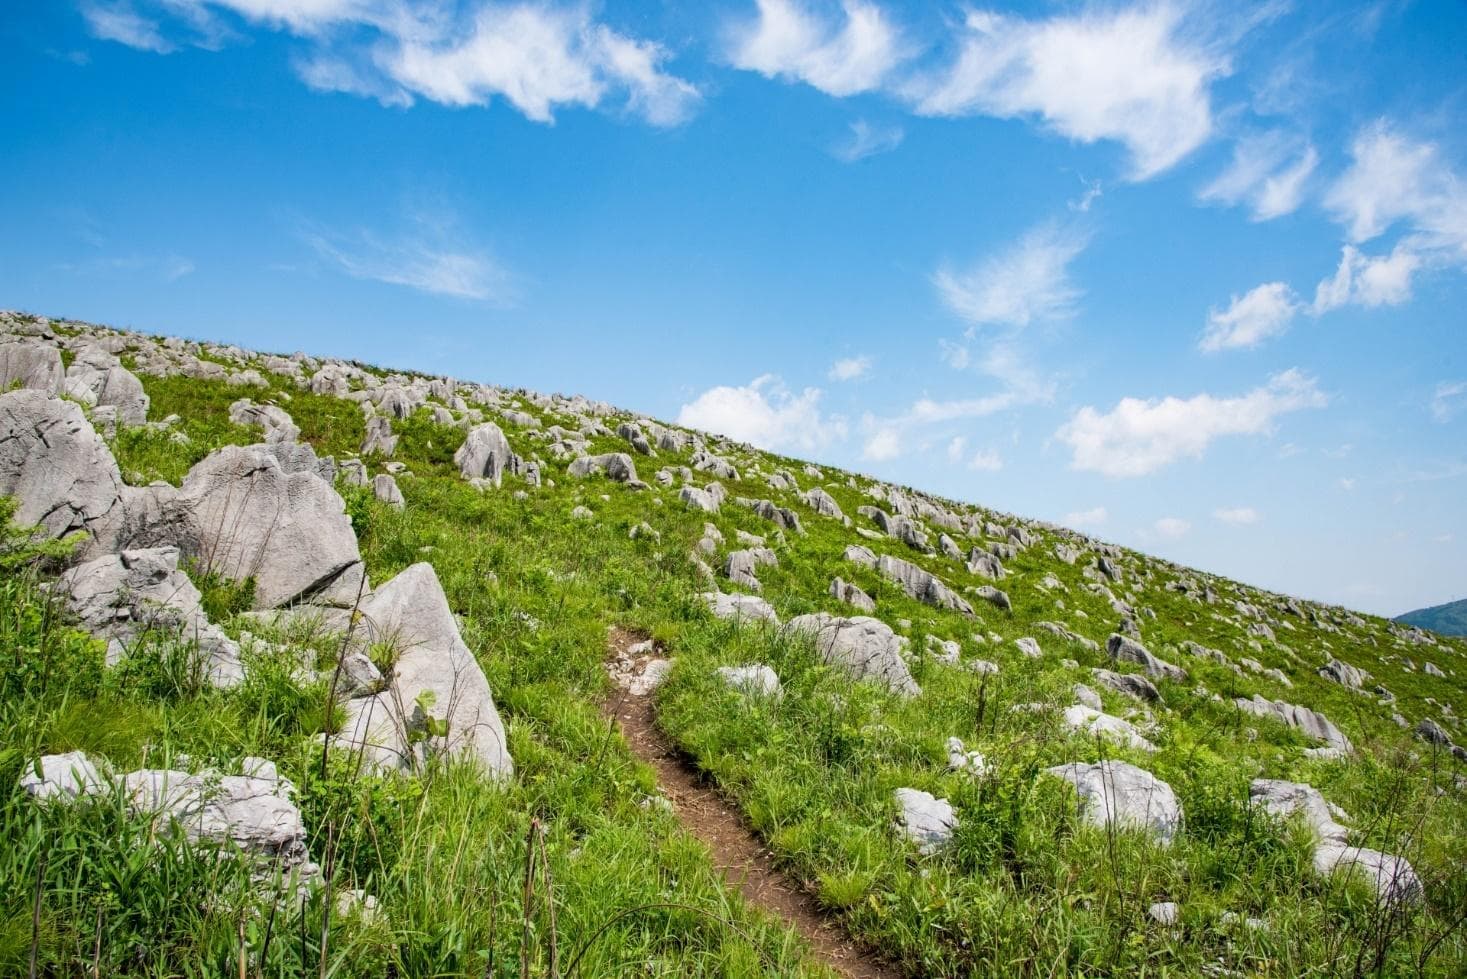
{"x":737,"y":852}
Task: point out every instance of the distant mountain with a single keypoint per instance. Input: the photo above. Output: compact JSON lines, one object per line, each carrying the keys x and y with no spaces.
{"x":1449,"y":619}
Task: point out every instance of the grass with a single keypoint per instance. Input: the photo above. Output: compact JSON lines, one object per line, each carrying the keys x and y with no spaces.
{"x":1026,"y":888}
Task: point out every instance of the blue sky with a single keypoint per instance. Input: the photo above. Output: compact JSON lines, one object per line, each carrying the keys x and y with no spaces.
{"x":1189,"y":276}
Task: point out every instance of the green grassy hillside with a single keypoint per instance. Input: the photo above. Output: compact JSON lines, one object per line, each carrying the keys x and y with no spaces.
{"x":1025,"y":887}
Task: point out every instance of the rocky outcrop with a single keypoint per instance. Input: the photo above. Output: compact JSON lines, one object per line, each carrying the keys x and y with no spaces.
{"x":437,"y":701}
{"x":617,"y":466}
{"x":485,"y":454}
{"x":1096,"y":723}
{"x":736,"y":607}
{"x":755,"y":680}
{"x":863,"y":647}
{"x":141,"y":595}
{"x":31,"y":365}
{"x":244,"y":514}
{"x":1312,"y":723}
{"x":59,"y":470}
{"x":922,"y":585}
{"x":925,"y":819}
{"x":1115,"y":793}
{"x":846,"y":592}
{"x":1124,"y":649}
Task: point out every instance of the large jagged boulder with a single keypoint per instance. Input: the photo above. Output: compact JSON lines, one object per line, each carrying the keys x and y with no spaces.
{"x":437,"y":700}
{"x":736,"y":607}
{"x":742,"y":566}
{"x":1287,"y":800}
{"x":141,"y":595}
{"x":863,"y":647}
{"x":617,"y":466}
{"x":1124,"y":649}
{"x":1118,"y":794}
{"x":59,"y":470}
{"x":822,"y":503}
{"x":925,"y":819}
{"x":244,"y":514}
{"x":31,"y":365}
{"x":485,"y":454}
{"x":96,"y":377}
{"x":1344,"y":674}
{"x":1312,"y":723}
{"x":921,"y":584}
{"x":253,"y":813}
{"x":1391,"y":877}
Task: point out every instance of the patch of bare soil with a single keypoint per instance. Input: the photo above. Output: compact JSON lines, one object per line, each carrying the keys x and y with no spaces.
{"x":737,"y":852}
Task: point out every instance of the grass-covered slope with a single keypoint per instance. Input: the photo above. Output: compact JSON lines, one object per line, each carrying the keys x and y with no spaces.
{"x":1025,"y":888}
{"x":1448,"y":620}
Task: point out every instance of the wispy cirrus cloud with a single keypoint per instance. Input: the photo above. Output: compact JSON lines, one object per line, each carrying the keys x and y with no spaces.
{"x":1269,"y":172}
{"x":1027,"y":281}
{"x":429,"y":255}
{"x":866,"y":140}
{"x":537,"y":58}
{"x":854,"y":52}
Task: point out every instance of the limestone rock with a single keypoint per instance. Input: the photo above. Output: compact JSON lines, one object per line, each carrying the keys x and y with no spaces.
{"x":1096,"y":723}
{"x":31,"y":365}
{"x":1127,"y":650}
{"x":863,"y":647}
{"x":925,"y":819}
{"x":921,"y":584}
{"x":750,"y":607}
{"x":1115,"y":793}
{"x":485,"y":454}
{"x":755,"y":680}
{"x":846,"y":592}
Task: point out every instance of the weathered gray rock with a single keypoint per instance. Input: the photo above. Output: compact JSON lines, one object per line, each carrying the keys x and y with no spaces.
{"x":822,"y":503}
{"x":782,"y":517}
{"x":742,"y":566}
{"x":960,"y":759}
{"x":863,"y":647}
{"x":617,"y":466}
{"x":1312,"y":723}
{"x":385,"y":488}
{"x":857,"y":554}
{"x":1343,"y":674}
{"x":1096,"y":723}
{"x":925,"y":819}
{"x":59,"y":470}
{"x":98,"y":378}
{"x":31,"y":365}
{"x":993,"y":596}
{"x":846,"y":592}
{"x":1165,"y":913}
{"x":62,"y":777}
{"x":698,"y":499}
{"x":1029,"y":646}
{"x":1127,"y":650}
{"x":1286,"y":800}
{"x":276,"y":421}
{"x":980,"y":562}
{"x":1431,"y":669}
{"x":1432,"y":733}
{"x":921,"y":584}
{"x":1131,"y":684}
{"x":1392,"y":878}
{"x":136,"y":595}
{"x":485,"y":454}
{"x":379,"y":437}
{"x":1115,"y":793}
{"x":755,"y":680}
{"x":750,"y":607}
{"x":245,"y":515}
{"x":354,"y":473}
{"x":434,"y":676}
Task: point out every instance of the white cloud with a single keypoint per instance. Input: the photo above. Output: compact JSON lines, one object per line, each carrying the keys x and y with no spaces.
{"x":1173,"y":527}
{"x":849,"y":369}
{"x":1395,"y":179}
{"x":1269,"y":173}
{"x":1446,"y":400}
{"x":121,"y":22}
{"x":766,"y":413}
{"x":882,"y":444}
{"x":1362,"y":280}
{"x":986,"y":460}
{"x":1238,"y":516}
{"x":867,"y":140}
{"x":786,"y":40}
{"x":1080,"y":519}
{"x":1138,"y":437}
{"x":1262,"y":312}
{"x":955,"y":355}
{"x":1347,"y":483}
{"x":429,"y":258}
{"x":537,"y":58}
{"x":955,"y":449}
{"x":1027,"y":281}
{"x":1125,"y":75}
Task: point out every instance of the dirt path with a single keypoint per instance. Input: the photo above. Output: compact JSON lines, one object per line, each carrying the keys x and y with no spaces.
{"x":737,"y":852}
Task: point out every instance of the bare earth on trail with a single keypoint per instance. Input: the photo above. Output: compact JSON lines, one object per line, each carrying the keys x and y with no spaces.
{"x":736,"y":851}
